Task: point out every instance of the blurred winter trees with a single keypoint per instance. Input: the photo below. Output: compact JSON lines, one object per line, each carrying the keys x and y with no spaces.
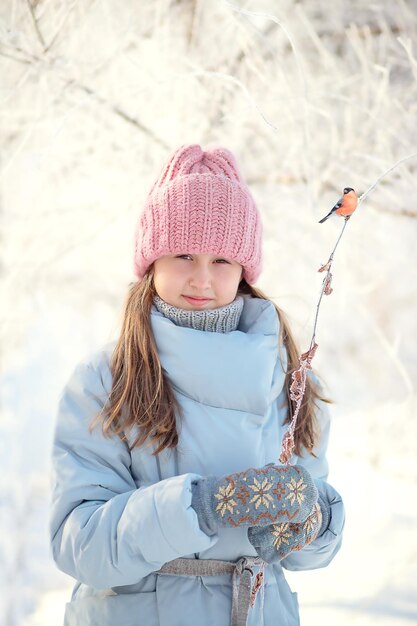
{"x":312,"y":96}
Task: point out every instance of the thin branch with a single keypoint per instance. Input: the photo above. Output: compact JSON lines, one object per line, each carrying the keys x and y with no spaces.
{"x":60,"y":27}
{"x":118,"y":111}
{"x":279,"y":23}
{"x":328,"y":265}
{"x":191,"y":32}
{"x":10,"y":56}
{"x":372,"y":187}
{"x":233,"y":66}
{"x":72,"y":83}
{"x":36,"y":25}
{"x":236,"y":81}
{"x":29,"y":57}
{"x":301,"y":77}
{"x":298,"y":386}
{"x":46,"y":47}
{"x":326,"y":283}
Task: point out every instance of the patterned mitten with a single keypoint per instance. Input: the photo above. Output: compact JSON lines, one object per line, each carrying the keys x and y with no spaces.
{"x":255,"y":497}
{"x":276,"y":541}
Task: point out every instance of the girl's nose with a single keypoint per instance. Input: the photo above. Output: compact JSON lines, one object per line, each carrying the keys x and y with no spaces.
{"x":201,"y":277}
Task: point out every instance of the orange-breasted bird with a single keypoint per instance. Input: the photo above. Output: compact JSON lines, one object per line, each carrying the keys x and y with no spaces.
{"x":344,"y":206}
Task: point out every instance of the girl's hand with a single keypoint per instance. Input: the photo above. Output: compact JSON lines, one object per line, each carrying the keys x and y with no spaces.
{"x":276,"y":541}
{"x":255,"y":497}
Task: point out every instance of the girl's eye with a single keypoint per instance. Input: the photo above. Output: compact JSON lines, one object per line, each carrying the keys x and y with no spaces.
{"x":223,"y":261}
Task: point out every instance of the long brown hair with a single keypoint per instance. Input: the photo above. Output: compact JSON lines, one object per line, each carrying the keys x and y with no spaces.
{"x":142,"y":395}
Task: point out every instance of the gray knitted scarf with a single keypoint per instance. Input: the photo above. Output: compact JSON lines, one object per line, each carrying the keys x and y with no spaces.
{"x":221,"y":320}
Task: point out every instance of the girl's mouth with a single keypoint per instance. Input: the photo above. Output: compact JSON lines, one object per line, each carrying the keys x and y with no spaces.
{"x":197,"y":301}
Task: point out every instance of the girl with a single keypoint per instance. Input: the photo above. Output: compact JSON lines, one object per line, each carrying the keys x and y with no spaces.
{"x":170,"y":507}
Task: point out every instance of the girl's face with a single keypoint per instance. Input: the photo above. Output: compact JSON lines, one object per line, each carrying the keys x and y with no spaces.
{"x":196,"y":281}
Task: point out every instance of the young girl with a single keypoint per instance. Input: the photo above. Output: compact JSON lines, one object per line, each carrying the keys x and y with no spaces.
{"x":170,"y":507}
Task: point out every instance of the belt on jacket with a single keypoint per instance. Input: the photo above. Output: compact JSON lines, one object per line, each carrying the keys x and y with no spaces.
{"x":243,"y":596}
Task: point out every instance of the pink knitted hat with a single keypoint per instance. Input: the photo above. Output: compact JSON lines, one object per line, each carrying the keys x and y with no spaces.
{"x":201,"y":205}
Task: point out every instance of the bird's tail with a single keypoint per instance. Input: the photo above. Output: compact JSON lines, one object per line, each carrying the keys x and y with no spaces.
{"x":325,"y":218}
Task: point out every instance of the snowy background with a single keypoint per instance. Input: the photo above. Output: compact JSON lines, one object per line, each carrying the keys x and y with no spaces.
{"x":311,"y":96}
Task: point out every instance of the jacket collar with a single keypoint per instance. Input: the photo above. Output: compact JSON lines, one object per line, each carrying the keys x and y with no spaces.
{"x":239,"y":370}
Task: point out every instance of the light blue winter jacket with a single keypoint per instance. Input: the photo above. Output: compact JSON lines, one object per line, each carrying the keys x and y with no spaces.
{"x":118,"y":516}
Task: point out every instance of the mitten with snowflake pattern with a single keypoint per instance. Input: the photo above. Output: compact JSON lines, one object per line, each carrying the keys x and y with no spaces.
{"x":255,"y":497}
{"x":274,"y":542}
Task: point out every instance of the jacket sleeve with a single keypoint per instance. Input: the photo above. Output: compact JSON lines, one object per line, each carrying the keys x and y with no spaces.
{"x":105,"y":531}
{"x":323,"y":549}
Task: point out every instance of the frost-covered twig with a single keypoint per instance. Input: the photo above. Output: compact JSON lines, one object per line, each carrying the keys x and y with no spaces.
{"x":297,"y":390}
{"x":60,"y":26}
{"x":56,"y":66}
{"x":326,"y":287}
{"x":299,"y":376}
{"x":372,"y":187}
{"x":300,"y":70}
{"x":36,"y":25}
